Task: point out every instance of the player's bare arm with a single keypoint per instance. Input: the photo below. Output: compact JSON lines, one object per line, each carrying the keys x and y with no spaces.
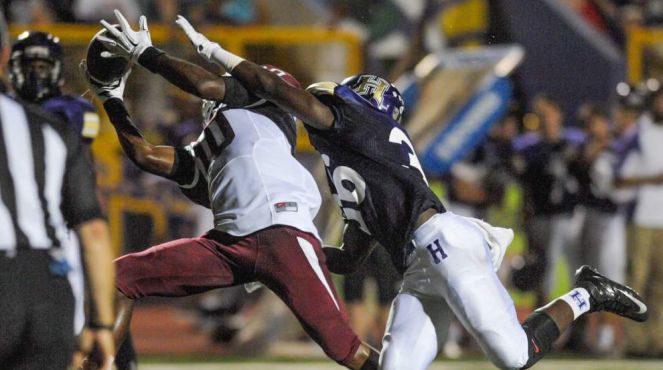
{"x":158,"y":160}
{"x":357,"y":247}
{"x":196,"y":80}
{"x":185,"y":75}
{"x":81,"y":210}
{"x":261,"y":82}
{"x":296,"y":101}
{"x":136,"y":46}
{"x":95,"y":239}
{"x":625,"y":182}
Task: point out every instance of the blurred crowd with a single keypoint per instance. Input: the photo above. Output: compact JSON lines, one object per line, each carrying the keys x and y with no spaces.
{"x":591,"y":181}
{"x":590,"y":186}
{"x":615,"y":17}
{"x":231,"y":12}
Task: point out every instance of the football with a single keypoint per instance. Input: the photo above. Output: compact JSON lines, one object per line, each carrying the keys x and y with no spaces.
{"x":101,"y":65}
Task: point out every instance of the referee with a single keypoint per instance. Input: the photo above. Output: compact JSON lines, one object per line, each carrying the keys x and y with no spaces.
{"x":46,"y":186}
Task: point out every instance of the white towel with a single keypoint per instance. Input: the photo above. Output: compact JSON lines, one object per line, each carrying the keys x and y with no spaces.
{"x":498,"y":239}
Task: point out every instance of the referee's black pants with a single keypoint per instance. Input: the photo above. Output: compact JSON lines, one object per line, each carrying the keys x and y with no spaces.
{"x":36,"y":313}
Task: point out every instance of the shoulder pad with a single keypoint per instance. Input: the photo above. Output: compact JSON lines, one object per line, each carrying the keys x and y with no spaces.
{"x":77,"y":112}
{"x":91,"y":125}
{"x":322,"y":88}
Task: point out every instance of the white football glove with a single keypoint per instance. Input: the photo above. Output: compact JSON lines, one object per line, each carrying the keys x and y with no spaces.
{"x":104,"y":91}
{"x":497,"y":238}
{"x":204,"y":46}
{"x":126,"y":42}
{"x":211,"y":51}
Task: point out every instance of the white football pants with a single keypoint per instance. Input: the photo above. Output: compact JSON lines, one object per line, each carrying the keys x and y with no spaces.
{"x":451,"y":271}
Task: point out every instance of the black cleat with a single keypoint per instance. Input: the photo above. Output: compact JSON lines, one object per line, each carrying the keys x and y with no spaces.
{"x":607,"y":295}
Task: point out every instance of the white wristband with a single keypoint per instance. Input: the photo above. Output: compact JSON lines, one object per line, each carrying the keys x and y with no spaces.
{"x":225,"y":58}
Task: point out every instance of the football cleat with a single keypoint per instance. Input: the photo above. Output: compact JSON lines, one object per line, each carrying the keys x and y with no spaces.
{"x":607,"y":295}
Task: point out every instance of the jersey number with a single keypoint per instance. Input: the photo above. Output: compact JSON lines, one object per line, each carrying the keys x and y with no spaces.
{"x":350,"y":190}
{"x":397,"y":136}
{"x":216,"y":137}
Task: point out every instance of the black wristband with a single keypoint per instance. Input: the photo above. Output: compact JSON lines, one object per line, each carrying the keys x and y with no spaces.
{"x":97,"y":326}
{"x":115,"y":108}
{"x":149,"y":58}
{"x":184,"y":168}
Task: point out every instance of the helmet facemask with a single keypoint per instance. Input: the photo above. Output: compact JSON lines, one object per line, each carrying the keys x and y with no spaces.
{"x":35,"y":66}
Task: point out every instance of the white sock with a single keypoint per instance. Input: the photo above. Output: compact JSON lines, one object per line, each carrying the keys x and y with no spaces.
{"x":578,"y":300}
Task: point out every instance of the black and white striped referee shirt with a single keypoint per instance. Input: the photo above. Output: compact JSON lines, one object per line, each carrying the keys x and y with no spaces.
{"x":46,"y":182}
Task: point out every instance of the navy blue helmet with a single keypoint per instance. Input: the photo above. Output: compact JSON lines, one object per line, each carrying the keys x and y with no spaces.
{"x":379,"y":92}
{"x":35,"y":66}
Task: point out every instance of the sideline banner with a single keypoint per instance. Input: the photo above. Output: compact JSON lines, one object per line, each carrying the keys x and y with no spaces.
{"x":468,"y":127}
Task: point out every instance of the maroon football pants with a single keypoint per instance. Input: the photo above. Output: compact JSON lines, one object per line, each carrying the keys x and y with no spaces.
{"x":287,"y":261}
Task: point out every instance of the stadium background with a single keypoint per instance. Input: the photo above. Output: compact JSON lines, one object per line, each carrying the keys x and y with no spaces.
{"x":323,"y":40}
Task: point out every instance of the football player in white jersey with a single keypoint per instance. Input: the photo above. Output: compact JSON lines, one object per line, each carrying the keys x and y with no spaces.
{"x":262,"y":198}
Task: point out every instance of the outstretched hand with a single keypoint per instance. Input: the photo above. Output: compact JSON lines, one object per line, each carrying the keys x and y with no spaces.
{"x":203,"y":45}
{"x":104,"y":91}
{"x":125,"y":41}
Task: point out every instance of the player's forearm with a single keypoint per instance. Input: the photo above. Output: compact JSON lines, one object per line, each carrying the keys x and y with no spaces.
{"x":186,"y":76}
{"x":98,"y":260}
{"x":348,"y":258}
{"x":625,"y":182}
{"x":150,"y":158}
{"x":271,"y":87}
{"x":258,"y":80}
{"x":356,"y":248}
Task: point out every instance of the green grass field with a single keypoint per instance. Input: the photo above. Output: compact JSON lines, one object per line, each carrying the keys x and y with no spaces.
{"x":440,"y":365}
